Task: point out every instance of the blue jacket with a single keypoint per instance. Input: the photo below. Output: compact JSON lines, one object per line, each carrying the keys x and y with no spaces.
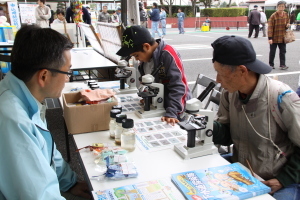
{"x":181,"y":16}
{"x":172,"y":76}
{"x":155,"y":15}
{"x":31,"y":167}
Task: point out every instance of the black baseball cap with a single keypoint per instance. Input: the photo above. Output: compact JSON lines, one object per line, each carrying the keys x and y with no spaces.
{"x":133,"y":37}
{"x":235,"y":50}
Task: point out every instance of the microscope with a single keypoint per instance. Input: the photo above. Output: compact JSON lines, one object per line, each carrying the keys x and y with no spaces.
{"x":153,"y":96}
{"x":127,"y":75}
{"x":199,"y":126}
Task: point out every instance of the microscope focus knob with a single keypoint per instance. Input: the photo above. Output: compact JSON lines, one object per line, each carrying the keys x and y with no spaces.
{"x":208,"y":132}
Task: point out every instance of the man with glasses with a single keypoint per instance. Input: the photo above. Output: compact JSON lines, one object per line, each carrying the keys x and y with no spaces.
{"x":31,"y":167}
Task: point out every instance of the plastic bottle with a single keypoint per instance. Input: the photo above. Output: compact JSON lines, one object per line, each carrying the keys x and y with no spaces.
{"x":119,"y":128}
{"x":112,"y":123}
{"x":128,"y":135}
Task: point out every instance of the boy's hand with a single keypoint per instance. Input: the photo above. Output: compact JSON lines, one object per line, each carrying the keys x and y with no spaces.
{"x":169,"y":120}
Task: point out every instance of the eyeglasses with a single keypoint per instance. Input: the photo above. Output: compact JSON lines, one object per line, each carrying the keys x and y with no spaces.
{"x":70,"y":72}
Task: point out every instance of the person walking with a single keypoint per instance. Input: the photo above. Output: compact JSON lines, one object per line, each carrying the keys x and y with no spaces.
{"x":277,"y":25}
{"x":154,"y":17}
{"x":143,"y":15}
{"x":42,"y":14}
{"x":181,"y":17}
{"x":254,"y":21}
{"x":104,"y":16}
{"x":163,"y":22}
{"x":263,"y":22}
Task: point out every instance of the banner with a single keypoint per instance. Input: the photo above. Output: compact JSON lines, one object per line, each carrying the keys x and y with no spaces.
{"x":14,"y":14}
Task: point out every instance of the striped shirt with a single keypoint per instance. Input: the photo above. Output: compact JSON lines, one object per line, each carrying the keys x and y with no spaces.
{"x":277,"y":27}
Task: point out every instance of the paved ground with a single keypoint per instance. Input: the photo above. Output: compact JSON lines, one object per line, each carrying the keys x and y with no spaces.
{"x":196,"y":52}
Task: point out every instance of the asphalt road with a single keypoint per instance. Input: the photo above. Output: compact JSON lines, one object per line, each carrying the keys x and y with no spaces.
{"x":196,"y":52}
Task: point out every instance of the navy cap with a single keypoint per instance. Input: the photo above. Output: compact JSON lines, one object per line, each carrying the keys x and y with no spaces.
{"x":255,"y":6}
{"x":133,"y":37}
{"x":235,"y":50}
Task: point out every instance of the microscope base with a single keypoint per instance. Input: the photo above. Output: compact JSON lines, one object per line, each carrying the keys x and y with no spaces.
{"x":126,"y":90}
{"x":151,"y":113}
{"x":188,"y":153}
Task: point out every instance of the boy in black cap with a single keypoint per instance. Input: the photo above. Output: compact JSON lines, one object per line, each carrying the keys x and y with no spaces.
{"x":156,"y":55}
{"x":257,"y":114}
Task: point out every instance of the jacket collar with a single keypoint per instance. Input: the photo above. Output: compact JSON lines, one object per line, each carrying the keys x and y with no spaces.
{"x":21,"y":91}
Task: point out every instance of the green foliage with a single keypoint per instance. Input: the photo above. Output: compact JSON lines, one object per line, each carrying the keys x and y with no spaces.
{"x":233,"y":4}
{"x":225,"y":12}
{"x":223,"y":4}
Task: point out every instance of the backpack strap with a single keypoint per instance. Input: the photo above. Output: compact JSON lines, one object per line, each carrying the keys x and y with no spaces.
{"x":275,"y":99}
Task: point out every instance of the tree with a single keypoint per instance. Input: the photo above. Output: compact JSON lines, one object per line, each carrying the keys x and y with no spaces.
{"x":207,"y":3}
{"x":223,"y":5}
{"x":170,"y":3}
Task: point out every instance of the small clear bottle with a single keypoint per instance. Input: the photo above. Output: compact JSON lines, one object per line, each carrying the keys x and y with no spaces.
{"x":128,"y":135}
{"x":119,"y":128}
{"x":112,"y":123}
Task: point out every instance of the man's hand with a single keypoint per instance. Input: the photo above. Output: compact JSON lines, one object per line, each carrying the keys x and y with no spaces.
{"x":274,"y":184}
{"x":169,"y":120}
{"x":270,"y":41}
{"x":81,"y":189}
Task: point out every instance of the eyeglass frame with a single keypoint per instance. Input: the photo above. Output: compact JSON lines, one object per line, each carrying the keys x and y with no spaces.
{"x":70,"y":72}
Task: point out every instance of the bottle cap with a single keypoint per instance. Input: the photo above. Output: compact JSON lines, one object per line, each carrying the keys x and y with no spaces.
{"x":120,"y":117}
{"x":127,"y":123}
{"x":114,"y":112}
{"x":119,"y":107}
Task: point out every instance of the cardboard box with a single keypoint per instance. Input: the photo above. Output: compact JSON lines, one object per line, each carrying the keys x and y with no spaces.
{"x":88,"y":118}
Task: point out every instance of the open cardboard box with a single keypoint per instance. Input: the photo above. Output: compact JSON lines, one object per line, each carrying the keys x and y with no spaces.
{"x":86,"y":118}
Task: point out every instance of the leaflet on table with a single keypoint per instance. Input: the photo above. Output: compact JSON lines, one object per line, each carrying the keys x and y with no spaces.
{"x":149,"y":190}
{"x":129,"y":102}
{"x":224,"y":182}
{"x":152,"y":134}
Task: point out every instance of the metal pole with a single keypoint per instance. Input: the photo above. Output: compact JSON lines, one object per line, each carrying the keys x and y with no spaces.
{"x":124,"y":12}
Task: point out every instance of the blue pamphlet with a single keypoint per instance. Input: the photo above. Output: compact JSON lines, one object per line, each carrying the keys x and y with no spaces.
{"x":225,"y":182}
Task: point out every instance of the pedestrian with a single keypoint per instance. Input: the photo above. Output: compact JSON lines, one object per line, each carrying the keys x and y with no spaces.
{"x":277,"y":25}
{"x":163,"y":22}
{"x":258,"y":115}
{"x":42,"y":14}
{"x":60,"y":13}
{"x":254,"y":22}
{"x":164,"y":63}
{"x":263,"y":22}
{"x":154,"y":17}
{"x":292,"y":17}
{"x":119,"y":14}
{"x":143,"y":15}
{"x":34,"y":168}
{"x":104,"y":16}
{"x":115,"y":17}
{"x":180,"y":16}
{"x":52,"y":15}
{"x":77,"y":13}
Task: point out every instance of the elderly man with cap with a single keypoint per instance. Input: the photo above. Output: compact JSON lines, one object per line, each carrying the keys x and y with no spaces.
{"x":254,"y":22}
{"x":258,"y":115}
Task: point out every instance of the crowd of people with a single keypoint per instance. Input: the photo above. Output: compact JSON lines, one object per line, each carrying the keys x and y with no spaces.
{"x":77,"y":13}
